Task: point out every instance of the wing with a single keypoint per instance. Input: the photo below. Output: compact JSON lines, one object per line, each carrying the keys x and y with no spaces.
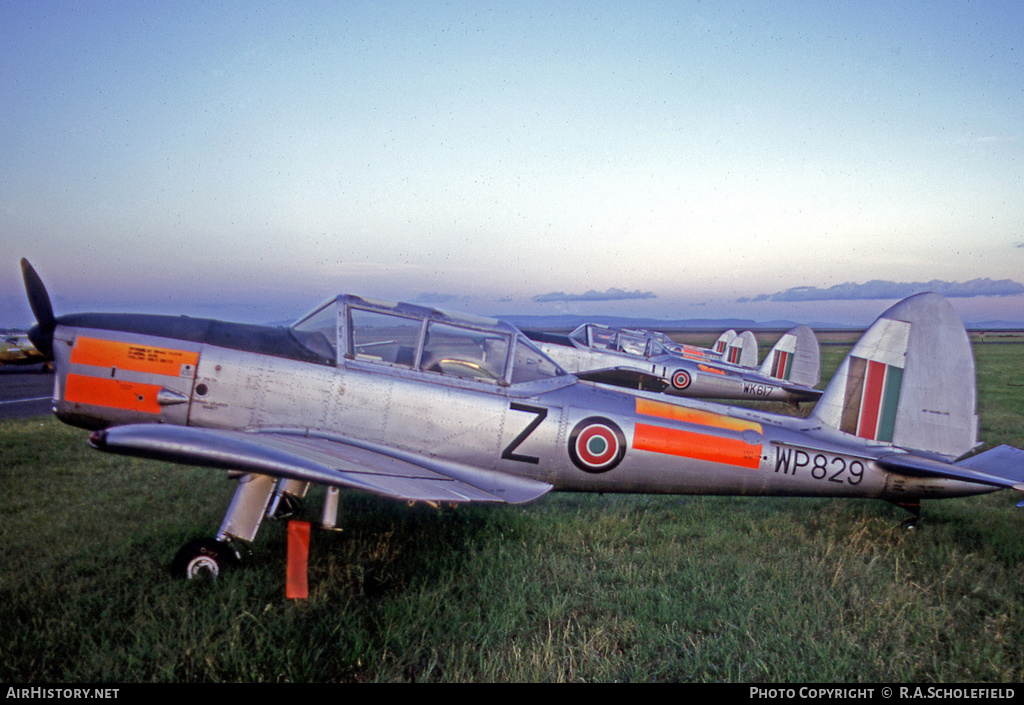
{"x":328,"y":461}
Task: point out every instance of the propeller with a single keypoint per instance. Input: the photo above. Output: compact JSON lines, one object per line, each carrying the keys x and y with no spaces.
{"x":41,"y":334}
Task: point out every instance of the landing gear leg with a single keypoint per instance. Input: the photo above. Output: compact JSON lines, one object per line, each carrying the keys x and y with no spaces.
{"x":914,"y":507}
{"x":209,"y":557}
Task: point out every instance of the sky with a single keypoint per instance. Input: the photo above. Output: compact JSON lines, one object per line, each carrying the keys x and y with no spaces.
{"x":245,"y":161}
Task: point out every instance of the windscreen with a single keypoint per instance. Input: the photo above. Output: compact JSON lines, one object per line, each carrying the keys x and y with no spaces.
{"x":530,"y":364}
{"x":318,"y":331}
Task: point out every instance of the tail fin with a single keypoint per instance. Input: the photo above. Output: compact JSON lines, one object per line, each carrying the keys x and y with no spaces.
{"x":723,"y":341}
{"x":742,"y":350}
{"x":908,"y":381}
{"x":796,"y":357}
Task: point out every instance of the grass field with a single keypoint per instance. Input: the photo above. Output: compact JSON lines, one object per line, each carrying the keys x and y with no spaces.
{"x":569,"y":588}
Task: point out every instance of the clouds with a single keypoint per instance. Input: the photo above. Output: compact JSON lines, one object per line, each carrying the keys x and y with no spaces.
{"x":879,"y":289}
{"x":434,"y":298}
{"x":542,"y":149}
{"x":612,"y":294}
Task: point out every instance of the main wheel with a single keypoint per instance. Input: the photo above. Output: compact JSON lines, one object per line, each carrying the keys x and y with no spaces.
{"x":203,"y":558}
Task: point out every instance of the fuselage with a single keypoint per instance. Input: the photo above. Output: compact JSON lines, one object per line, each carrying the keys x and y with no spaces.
{"x":683,"y":377}
{"x":576,"y":436}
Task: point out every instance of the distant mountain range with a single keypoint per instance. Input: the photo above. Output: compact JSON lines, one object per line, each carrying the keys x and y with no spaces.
{"x":704,"y":325}
{"x":568,"y":322}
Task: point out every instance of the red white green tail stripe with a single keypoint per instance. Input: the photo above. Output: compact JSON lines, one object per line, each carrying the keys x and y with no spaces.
{"x":782,"y":365}
{"x":872,"y":397}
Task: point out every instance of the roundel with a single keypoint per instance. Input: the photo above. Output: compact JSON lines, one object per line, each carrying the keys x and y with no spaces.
{"x":680,"y":379}
{"x":596,"y":445}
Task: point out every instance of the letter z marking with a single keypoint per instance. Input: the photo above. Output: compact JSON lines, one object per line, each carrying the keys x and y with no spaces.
{"x":541,"y":414}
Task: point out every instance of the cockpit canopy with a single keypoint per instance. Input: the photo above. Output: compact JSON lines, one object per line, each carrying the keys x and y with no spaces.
{"x":419,"y":338}
{"x":630,"y":342}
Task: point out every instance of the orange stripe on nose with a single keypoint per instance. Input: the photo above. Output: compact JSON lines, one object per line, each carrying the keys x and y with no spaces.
{"x":130,"y":356}
{"x":100,"y":391}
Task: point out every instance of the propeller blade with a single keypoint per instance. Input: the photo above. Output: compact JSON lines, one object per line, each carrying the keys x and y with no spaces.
{"x":41,"y":333}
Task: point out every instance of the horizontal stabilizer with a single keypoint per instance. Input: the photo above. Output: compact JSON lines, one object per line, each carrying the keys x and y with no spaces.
{"x":320,"y":460}
{"x":799,"y":391}
{"x":1002,"y":466}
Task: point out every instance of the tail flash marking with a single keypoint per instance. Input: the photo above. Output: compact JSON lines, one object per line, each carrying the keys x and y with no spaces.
{"x":734,"y":355}
{"x":795,"y":357}
{"x":723,"y":341}
{"x":782,"y":366}
{"x":872,"y":397}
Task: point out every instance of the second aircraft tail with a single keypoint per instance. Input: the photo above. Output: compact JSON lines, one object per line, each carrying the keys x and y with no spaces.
{"x":795,"y":357}
{"x":742,"y":350}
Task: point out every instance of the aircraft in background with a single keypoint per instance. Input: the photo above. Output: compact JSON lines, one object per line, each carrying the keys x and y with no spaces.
{"x":17,"y":349}
{"x":735,"y":349}
{"x":739,"y":349}
{"x":640,"y":359}
{"x":420,"y":405}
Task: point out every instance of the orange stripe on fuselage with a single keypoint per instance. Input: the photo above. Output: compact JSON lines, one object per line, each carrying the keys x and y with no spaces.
{"x":664,"y":410}
{"x":116,"y":394}
{"x":691,"y":444}
{"x":699,"y":446}
{"x":132,"y":356}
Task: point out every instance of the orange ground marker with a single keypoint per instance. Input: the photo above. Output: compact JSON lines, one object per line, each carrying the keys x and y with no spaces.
{"x":297,"y":583}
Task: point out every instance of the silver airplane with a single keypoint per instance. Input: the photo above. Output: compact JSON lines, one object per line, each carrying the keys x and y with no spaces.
{"x":739,"y":349}
{"x":420,"y":405}
{"x":640,"y":359}
{"x":735,"y":349}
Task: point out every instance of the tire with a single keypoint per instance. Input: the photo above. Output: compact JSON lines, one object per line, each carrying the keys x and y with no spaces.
{"x":203,"y":558}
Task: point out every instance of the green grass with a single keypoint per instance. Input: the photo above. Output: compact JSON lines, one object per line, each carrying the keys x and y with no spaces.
{"x":568,"y":588}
